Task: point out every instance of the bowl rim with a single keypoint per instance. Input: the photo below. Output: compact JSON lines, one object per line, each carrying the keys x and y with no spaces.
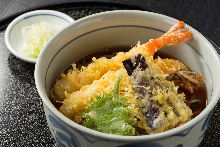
{"x":26,"y":16}
{"x":118,"y":138}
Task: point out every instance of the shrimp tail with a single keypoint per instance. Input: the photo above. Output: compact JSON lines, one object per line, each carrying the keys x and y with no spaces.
{"x":174,"y":36}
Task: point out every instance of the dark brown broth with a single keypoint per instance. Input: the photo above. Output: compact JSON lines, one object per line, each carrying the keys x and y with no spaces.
{"x":196,"y":101}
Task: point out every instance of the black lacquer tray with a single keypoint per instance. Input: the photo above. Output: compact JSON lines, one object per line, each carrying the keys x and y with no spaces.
{"x":22,"y":120}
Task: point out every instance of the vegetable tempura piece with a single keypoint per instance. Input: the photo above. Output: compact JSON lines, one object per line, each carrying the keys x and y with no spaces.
{"x":161,"y":105}
{"x":109,"y":114}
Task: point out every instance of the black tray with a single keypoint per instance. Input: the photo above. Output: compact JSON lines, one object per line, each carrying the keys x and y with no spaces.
{"x":22,"y":120}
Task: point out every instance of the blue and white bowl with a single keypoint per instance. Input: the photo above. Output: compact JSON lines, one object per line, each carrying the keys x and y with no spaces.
{"x":122,"y":28}
{"x":13,"y":34}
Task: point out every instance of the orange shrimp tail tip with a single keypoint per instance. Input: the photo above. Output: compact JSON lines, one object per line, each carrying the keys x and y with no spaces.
{"x":176,"y":27}
{"x":177,"y":37}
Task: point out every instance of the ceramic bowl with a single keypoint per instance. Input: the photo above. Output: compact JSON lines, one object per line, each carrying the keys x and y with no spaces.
{"x":122,"y":28}
{"x":13,"y":34}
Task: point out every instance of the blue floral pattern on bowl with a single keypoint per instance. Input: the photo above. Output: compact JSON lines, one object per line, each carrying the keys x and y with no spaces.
{"x":64,"y":136}
{"x":68,"y":136}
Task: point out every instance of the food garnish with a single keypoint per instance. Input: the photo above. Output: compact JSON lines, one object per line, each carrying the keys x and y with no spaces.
{"x":37,"y":36}
{"x":109,"y":114}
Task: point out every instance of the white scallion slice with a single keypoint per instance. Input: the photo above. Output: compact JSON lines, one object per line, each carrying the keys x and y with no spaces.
{"x":37,"y":36}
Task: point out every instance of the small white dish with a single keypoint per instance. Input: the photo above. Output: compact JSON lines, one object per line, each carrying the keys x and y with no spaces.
{"x":13,"y":34}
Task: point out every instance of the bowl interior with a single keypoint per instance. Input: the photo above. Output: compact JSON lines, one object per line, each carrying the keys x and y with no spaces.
{"x":123,"y":28}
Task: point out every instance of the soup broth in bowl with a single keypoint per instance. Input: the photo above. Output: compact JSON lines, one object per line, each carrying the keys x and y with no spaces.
{"x":123,"y":28}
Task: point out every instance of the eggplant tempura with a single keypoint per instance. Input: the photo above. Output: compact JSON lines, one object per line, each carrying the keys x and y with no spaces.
{"x":152,"y":99}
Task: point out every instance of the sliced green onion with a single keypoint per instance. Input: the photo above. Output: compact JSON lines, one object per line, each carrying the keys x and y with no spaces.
{"x":37,"y":36}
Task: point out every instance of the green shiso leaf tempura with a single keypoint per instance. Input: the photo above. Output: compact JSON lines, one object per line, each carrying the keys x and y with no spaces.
{"x":109,"y":114}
